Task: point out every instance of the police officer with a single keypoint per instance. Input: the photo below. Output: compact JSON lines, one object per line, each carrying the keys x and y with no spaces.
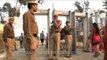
{"x":30,"y":29}
{"x":68,"y":38}
{"x":8,"y":37}
{"x":55,"y":37}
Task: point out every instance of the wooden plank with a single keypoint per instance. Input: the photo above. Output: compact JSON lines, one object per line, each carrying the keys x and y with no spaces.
{"x":42,"y":12}
{"x":78,"y":14}
{"x":61,"y":12}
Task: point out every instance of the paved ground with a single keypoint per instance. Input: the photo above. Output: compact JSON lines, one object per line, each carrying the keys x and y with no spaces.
{"x":41,"y":54}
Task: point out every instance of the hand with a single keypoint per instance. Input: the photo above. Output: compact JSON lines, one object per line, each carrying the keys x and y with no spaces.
{"x":33,"y":46}
{"x":5,"y":39}
{"x":6,"y":44}
{"x":73,"y":27}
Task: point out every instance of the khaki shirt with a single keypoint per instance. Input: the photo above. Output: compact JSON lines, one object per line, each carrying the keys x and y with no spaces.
{"x":30,"y":27}
{"x":8,"y":31}
{"x":56,"y":27}
{"x":67,"y":30}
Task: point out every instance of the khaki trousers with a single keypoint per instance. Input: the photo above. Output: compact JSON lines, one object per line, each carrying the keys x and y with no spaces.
{"x":54,"y":42}
{"x":9,"y":48}
{"x":29,"y":52}
{"x":26,"y":45}
{"x":68,"y":40}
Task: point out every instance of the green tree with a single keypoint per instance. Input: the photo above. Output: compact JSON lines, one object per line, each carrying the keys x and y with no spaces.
{"x":105,"y":4}
{"x":6,"y":7}
{"x":16,"y":10}
{"x":79,"y":8}
{"x":11,"y":11}
{"x":86,"y":6}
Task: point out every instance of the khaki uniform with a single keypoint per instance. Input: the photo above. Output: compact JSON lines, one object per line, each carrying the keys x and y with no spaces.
{"x":30,"y":29}
{"x":8,"y":36}
{"x":55,"y":40}
{"x":68,"y":39}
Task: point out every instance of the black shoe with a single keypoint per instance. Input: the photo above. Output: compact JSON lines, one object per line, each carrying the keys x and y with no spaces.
{"x":15,"y":49}
{"x":57,"y":59}
{"x":74,"y":52}
{"x":96,"y":55}
{"x":54,"y":54}
{"x":50,"y":59}
{"x":68,"y":56}
{"x":86,"y":51}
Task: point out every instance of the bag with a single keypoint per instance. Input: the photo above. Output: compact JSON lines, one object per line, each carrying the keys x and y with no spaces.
{"x":96,"y":39}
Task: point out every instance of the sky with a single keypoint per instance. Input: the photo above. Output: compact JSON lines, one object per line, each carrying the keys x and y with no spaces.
{"x":67,"y":5}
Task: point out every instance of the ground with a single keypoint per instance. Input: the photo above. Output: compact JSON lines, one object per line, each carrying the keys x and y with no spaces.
{"x":41,"y":54}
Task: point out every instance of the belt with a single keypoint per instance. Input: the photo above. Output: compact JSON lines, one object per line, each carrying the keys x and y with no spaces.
{"x":11,"y":37}
{"x":67,"y":34}
{"x":35,"y":35}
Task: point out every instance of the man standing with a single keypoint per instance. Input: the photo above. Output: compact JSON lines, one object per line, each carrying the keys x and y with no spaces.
{"x":55,"y":38}
{"x":8,"y":37}
{"x":21,"y":40}
{"x":42,"y":37}
{"x":68,"y":38}
{"x":30,"y":29}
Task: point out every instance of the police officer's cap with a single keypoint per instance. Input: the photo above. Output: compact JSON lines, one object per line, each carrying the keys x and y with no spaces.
{"x":32,"y":1}
{"x":11,"y":17}
{"x":56,"y":14}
